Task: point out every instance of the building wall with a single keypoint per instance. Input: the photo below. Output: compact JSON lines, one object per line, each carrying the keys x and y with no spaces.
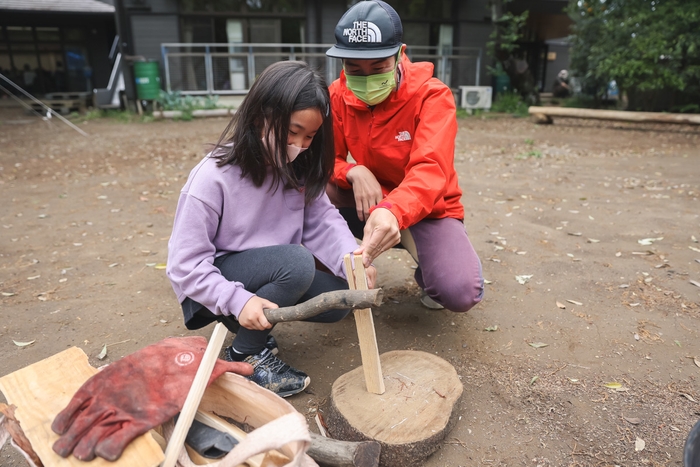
{"x":149,"y":32}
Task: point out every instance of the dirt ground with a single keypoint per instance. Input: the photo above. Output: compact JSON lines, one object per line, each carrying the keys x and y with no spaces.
{"x":588,"y":232}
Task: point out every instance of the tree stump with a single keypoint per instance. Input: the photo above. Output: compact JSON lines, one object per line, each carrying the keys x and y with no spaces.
{"x":412,"y":417}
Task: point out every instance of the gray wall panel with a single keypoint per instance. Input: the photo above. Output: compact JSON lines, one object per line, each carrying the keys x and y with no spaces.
{"x":151,"y":31}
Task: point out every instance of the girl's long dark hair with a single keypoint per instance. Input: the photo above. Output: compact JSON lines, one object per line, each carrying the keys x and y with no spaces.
{"x":281,"y":89}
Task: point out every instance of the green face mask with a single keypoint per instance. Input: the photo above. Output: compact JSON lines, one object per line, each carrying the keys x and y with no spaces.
{"x":372,"y":89}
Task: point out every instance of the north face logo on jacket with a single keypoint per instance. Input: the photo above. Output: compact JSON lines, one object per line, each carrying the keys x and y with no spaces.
{"x":403,"y":136}
{"x":363,"y":31}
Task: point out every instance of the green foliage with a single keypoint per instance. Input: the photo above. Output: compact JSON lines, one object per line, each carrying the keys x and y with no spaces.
{"x":121,"y":116}
{"x":506,"y":33}
{"x":186,"y":104}
{"x":644,"y":45}
{"x":510,"y":102}
{"x":531,"y":153}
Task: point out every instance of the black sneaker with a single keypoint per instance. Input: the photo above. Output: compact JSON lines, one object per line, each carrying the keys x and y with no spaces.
{"x":271,"y":344}
{"x":272,"y":373}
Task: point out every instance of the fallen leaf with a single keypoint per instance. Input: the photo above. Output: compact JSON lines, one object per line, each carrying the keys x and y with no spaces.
{"x":695,"y":283}
{"x":486,"y":281}
{"x":694,"y":249}
{"x":623,"y":286}
{"x":687,"y":396}
{"x":31,"y":278}
{"x":648,"y":241}
{"x":673,"y":428}
{"x":8,"y":294}
{"x":538,"y":345}
{"x":23,"y":344}
{"x":678,"y":343}
{"x":575,"y":302}
{"x":575,"y":234}
{"x":561,"y":305}
{"x":633,"y":421}
{"x":160,"y":266}
{"x":534,"y":378}
{"x":639,"y":444}
{"x":593,"y":240}
{"x":492,"y":328}
{"x":523,"y":279}
{"x":618,"y":254}
{"x":103,"y":353}
{"x":613,"y":385}
{"x":697,"y":362}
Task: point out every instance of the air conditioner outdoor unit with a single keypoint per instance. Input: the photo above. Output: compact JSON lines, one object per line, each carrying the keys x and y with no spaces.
{"x":475,"y":97}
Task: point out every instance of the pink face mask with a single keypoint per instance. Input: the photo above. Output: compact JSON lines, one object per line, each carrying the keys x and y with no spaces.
{"x":293,"y":152}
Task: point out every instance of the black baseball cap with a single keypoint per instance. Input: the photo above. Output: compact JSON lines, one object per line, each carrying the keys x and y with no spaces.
{"x":368,"y":30}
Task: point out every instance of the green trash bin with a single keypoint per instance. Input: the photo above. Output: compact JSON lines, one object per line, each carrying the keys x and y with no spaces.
{"x":147,"y":77}
{"x":501,"y":84}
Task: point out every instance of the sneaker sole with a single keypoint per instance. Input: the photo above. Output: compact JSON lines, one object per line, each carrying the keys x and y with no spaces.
{"x":307,"y":381}
{"x":430,"y":303}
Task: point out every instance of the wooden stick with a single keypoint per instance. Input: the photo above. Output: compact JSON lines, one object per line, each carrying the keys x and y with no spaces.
{"x":353,"y":299}
{"x":621,"y":115}
{"x":365,"y":329}
{"x":199,"y":384}
{"x":333,"y":452}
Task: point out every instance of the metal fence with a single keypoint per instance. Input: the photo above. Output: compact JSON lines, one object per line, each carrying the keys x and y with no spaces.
{"x":230,"y":69}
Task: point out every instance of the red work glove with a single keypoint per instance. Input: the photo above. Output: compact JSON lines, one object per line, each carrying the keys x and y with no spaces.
{"x":131,"y":396}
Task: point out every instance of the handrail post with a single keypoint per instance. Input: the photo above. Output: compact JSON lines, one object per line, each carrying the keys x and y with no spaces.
{"x":208,"y":70}
{"x":251,"y":66}
{"x":166,"y":67}
{"x":478,"y":67}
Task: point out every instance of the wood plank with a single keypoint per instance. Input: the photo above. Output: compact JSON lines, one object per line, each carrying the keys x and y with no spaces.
{"x":618,"y":115}
{"x":41,"y":390}
{"x":194,"y":395}
{"x":365,"y":329}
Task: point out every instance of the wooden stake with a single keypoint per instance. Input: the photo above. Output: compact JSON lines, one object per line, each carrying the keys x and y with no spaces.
{"x":365,"y":329}
{"x":199,"y":384}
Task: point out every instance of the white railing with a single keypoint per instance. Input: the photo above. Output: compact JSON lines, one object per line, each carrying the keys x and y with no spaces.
{"x":230,"y":69}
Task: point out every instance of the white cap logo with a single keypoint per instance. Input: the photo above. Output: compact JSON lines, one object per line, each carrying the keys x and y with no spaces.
{"x":363,"y":31}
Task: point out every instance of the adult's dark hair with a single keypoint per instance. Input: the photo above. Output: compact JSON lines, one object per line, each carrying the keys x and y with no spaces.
{"x":281,"y":89}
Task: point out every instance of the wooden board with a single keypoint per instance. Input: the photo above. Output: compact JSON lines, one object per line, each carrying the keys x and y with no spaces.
{"x":40,"y":391}
{"x":411,"y":419}
{"x":544,"y":114}
{"x":367,"y":337}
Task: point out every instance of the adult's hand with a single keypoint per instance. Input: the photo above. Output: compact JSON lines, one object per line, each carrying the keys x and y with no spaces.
{"x":252,"y":316}
{"x":371,"y":274}
{"x":366,"y":189}
{"x":381,"y":233}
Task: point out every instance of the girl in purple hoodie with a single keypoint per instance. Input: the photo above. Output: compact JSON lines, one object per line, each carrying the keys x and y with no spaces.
{"x":253,"y":221}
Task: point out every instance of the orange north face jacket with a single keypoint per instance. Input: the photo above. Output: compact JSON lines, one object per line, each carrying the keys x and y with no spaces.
{"x":407,"y":142}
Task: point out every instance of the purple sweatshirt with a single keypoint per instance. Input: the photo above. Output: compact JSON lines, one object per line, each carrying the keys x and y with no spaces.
{"x":219,"y":212}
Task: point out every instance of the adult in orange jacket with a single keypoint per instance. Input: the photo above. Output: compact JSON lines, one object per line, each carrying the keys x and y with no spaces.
{"x":398,"y":124}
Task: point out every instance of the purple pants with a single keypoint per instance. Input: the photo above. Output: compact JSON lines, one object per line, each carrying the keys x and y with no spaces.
{"x":449,"y":270}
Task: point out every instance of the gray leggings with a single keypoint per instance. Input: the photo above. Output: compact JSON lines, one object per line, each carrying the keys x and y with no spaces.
{"x":283,"y":274}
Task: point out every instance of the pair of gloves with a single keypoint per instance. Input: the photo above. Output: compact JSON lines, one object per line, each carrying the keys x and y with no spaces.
{"x":131,"y":396}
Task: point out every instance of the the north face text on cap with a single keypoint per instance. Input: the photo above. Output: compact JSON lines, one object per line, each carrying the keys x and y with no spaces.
{"x":363,"y":31}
